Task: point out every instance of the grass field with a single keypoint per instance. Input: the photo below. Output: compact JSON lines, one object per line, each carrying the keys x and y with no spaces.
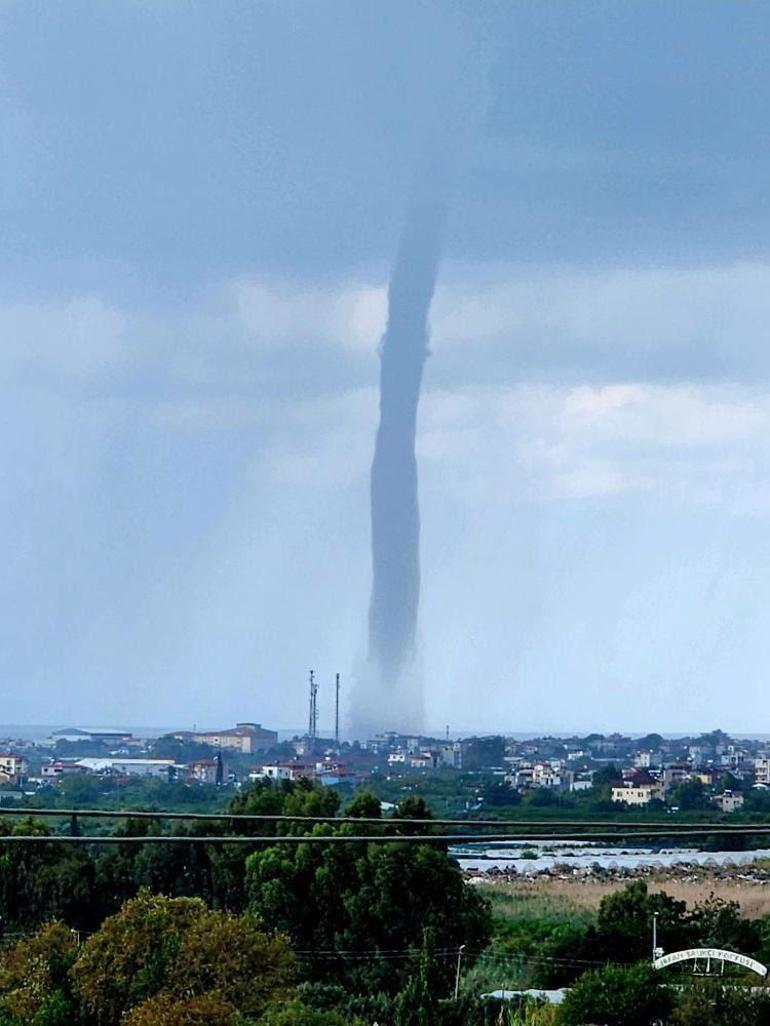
{"x":580,"y":897}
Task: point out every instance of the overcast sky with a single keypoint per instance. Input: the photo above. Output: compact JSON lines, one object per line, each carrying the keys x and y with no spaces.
{"x":199,"y":205}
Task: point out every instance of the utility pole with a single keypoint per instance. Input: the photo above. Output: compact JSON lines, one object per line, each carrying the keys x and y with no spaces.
{"x":457,"y":974}
{"x":312,"y":725}
{"x":337,"y":711}
{"x":654,"y":935}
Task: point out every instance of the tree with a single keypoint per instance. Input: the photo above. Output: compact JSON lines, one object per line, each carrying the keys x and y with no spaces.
{"x":364,"y":899}
{"x":483,"y":752}
{"x":34,"y":977}
{"x":729,"y":782}
{"x":158,"y":947}
{"x":41,"y":882}
{"x":169,"y":747}
{"x":295,"y":1013}
{"x":287,"y":798}
{"x":164,"y":1010}
{"x":624,"y":923}
{"x":717,"y":923}
{"x":370,"y":1006}
{"x":418,"y":1002}
{"x":496,"y":793}
{"x":308,"y":799}
{"x":607,"y":777}
{"x":535,"y":1013}
{"x":263,"y":798}
{"x":716,"y":1005}
{"x":650,"y":742}
{"x":542,"y":798}
{"x":689,"y":795}
{"x":131,"y":956}
{"x":227,"y":863}
{"x":364,"y":805}
{"x":616,"y":996}
{"x":413,"y":807}
{"x":230,"y":956}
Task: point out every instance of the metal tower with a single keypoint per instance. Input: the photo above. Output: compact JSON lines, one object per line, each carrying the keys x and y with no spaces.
{"x":312,"y":727}
{"x":337,"y":711}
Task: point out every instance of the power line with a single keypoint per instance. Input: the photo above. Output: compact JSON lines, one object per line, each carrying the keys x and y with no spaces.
{"x":272,"y":839}
{"x":576,"y":826}
{"x":292,"y":839}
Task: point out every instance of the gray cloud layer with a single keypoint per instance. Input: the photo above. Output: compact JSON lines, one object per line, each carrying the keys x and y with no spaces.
{"x":141,"y":450}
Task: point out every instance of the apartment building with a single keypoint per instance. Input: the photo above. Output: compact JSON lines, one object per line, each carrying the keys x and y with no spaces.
{"x":246,"y":738}
{"x":762,"y":770}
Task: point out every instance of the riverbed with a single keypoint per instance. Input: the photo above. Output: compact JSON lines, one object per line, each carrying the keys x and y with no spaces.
{"x":530,"y":858}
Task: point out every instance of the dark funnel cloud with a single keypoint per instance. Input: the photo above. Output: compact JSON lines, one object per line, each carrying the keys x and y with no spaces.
{"x":394,"y":495}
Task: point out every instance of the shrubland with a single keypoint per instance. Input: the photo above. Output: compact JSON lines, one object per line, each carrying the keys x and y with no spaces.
{"x":345,"y":934}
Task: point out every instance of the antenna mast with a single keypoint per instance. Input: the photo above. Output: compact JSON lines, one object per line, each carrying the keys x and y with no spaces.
{"x":337,"y":711}
{"x":312,"y":726}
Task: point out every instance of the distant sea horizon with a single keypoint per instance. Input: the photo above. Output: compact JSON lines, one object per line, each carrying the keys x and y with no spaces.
{"x":41,"y":732}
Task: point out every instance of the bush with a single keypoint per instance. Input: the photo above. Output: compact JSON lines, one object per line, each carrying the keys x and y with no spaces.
{"x":616,"y":996}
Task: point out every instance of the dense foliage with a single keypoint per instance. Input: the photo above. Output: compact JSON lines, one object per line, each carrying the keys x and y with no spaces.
{"x":552,"y":949}
{"x":616,"y":996}
{"x":167,"y":949}
{"x":289,"y":933}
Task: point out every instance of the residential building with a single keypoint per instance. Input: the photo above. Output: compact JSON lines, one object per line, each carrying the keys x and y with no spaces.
{"x":521,"y":777}
{"x":389,"y":741}
{"x":642,"y":794}
{"x":205,"y":771}
{"x":331,"y":772}
{"x":674,"y":774}
{"x":58,"y":768}
{"x":647,"y":760}
{"x":537,"y":774}
{"x":762,"y":770}
{"x":734,"y":759}
{"x":282,"y":771}
{"x":451,"y":755}
{"x":13,"y":769}
{"x":547,"y":774}
{"x":578,"y":781}
{"x":424,"y":760}
{"x":271,"y":771}
{"x":729,"y":801}
{"x":699,"y":754}
{"x":246,"y":738}
{"x":333,"y":779}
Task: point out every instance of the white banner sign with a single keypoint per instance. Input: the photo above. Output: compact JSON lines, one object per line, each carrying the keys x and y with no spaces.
{"x":717,"y":954}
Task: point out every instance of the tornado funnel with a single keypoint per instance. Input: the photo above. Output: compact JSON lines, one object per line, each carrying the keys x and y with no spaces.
{"x":395,"y":514}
